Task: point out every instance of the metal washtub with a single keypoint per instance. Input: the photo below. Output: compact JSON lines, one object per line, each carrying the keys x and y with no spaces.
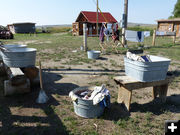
{"x":19,"y":57}
{"x":85,"y":108}
{"x":147,"y":71}
{"x":11,"y":46}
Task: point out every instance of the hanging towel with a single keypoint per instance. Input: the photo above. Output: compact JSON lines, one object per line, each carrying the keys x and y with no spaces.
{"x":134,"y":36}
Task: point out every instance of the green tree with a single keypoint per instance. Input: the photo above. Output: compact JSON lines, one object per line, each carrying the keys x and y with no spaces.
{"x":176,"y":12}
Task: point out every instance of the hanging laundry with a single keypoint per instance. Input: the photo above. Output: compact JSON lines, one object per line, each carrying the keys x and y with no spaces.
{"x":134,"y":36}
{"x":147,"y":33}
{"x":160,"y":33}
{"x":101,"y":36}
{"x":106,"y":32}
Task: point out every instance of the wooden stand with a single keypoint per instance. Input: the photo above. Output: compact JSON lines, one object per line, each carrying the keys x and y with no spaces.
{"x":20,"y":79}
{"x":128,"y":84}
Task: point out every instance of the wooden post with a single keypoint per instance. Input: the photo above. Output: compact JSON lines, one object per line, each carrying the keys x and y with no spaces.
{"x":174,"y":38}
{"x":125,"y":20}
{"x":97,"y":27}
{"x":154,"y":38}
{"x":85,"y":36}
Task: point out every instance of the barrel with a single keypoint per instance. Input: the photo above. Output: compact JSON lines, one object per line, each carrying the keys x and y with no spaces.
{"x":19,"y":57}
{"x":85,"y":108}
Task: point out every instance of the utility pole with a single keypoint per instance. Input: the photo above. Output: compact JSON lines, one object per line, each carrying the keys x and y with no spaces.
{"x":97,"y":18}
{"x":124,"y":22}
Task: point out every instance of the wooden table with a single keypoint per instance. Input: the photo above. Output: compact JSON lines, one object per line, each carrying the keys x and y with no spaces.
{"x":127,"y":84}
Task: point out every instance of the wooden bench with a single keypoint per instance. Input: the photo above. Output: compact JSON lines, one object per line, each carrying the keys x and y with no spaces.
{"x":128,"y":84}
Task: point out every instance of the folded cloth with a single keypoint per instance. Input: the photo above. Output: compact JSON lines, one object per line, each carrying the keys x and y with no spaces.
{"x":100,"y":96}
{"x":96,"y":91}
{"x":135,"y":57}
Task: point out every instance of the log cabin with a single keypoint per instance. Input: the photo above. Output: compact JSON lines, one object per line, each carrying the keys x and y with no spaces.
{"x":91,"y":19}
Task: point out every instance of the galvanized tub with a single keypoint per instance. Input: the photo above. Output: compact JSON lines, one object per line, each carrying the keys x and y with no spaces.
{"x":11,"y":46}
{"x":19,"y":57}
{"x":147,"y":71}
{"x":85,"y":108}
{"x":93,"y":54}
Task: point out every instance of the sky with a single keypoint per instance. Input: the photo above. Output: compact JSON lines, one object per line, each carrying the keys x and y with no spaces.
{"x":55,"y":12}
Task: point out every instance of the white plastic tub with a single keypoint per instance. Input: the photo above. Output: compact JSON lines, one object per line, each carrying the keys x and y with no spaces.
{"x":147,"y":71}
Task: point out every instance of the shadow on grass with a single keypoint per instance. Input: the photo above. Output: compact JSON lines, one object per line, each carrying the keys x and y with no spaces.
{"x":157,"y":107}
{"x":115,"y":112}
{"x":72,"y":71}
{"x":31,"y":124}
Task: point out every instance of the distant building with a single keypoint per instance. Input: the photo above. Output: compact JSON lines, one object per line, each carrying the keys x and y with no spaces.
{"x":91,"y":19}
{"x":169,"y":25}
{"x":26,"y":27}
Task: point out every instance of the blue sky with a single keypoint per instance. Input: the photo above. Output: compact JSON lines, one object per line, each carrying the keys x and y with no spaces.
{"x":51,"y":12}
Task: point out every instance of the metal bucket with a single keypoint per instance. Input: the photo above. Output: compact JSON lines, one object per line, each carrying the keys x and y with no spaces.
{"x":11,"y":46}
{"x":85,"y":108}
{"x":93,"y":54}
{"x":19,"y":57}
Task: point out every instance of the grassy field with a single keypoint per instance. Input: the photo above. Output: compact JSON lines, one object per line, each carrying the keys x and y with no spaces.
{"x":66,"y":67}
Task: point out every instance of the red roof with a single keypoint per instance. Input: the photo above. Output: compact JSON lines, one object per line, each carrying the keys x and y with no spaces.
{"x":92,"y":17}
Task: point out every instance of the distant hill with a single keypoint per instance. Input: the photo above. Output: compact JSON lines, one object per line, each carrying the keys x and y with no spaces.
{"x":47,"y":26}
{"x":130,"y":24}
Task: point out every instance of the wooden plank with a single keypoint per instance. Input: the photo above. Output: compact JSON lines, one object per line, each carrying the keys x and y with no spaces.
{"x":131,"y":84}
{"x":154,"y":38}
{"x":161,"y":91}
{"x":15,"y":75}
{"x":124,"y":96}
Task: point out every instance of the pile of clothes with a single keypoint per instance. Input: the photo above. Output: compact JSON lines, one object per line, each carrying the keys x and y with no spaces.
{"x":100,"y":95}
{"x":144,"y":58}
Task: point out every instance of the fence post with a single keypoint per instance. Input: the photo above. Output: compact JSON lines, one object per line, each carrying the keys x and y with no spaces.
{"x":85,"y":36}
{"x":154,"y":37}
{"x":174,"y":38}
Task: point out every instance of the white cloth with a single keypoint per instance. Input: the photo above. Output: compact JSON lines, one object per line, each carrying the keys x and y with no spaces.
{"x":133,"y":36}
{"x":135,"y":57}
{"x":73,"y":96}
{"x":96,"y":91}
{"x":100,"y":96}
{"x":160,"y":33}
{"x":147,"y":33}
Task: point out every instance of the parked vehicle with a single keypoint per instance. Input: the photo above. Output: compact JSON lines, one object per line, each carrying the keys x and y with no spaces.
{"x":5,"y":33}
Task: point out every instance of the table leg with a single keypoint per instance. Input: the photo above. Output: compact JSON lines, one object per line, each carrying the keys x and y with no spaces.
{"x":124,"y":96}
{"x":161,"y":91}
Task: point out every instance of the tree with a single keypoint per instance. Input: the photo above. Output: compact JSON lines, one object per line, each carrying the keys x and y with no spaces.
{"x":176,"y":12}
